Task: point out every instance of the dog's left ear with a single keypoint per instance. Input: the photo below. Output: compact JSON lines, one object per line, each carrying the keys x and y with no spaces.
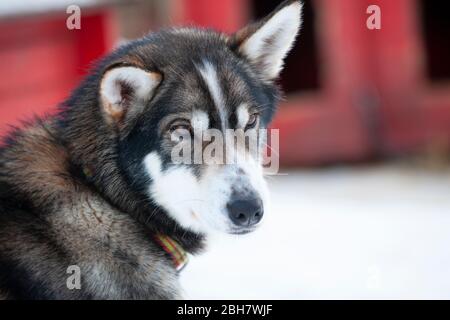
{"x":125,"y":90}
{"x":267,"y":42}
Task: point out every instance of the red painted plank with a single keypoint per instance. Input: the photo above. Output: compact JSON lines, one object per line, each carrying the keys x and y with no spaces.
{"x":223,"y":15}
{"x":41,"y":61}
{"x":313,"y":134}
{"x":27,"y":69}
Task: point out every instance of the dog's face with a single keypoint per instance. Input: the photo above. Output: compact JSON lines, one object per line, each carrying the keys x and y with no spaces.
{"x":175,"y":89}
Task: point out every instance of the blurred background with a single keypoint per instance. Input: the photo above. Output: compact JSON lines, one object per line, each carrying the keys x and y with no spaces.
{"x":361,"y":207}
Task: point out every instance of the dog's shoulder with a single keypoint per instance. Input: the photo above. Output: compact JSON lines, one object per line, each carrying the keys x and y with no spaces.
{"x":50,"y":220}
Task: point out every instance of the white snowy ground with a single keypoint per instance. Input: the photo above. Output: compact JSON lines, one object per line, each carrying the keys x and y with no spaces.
{"x":379,"y":232}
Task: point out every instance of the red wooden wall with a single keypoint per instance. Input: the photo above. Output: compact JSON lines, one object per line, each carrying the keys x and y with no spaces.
{"x":41,"y":61}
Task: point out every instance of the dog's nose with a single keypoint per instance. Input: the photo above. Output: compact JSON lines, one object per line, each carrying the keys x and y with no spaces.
{"x":245,"y":213}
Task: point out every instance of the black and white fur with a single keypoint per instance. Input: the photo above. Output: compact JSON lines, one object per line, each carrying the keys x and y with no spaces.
{"x":91,"y":185}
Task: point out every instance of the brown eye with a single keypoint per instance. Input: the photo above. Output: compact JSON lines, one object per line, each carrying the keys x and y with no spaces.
{"x":252,"y":121}
{"x":180,"y":126}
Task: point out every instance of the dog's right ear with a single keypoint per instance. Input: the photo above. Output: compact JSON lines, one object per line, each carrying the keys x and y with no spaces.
{"x":125,"y":90}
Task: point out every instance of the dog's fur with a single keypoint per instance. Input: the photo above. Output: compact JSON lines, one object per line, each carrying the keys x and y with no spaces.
{"x":91,"y":185}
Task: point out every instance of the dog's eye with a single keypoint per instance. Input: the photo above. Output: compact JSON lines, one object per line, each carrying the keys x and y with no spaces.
{"x":252,"y":121}
{"x":180,"y":128}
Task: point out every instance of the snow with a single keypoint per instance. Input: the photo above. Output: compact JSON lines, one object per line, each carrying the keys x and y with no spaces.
{"x":378,"y":232}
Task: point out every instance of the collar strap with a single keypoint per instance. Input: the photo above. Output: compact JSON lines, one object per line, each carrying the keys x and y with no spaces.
{"x":173,"y":249}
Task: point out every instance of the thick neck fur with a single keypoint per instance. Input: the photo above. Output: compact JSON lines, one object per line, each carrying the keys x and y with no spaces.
{"x":47,"y":161}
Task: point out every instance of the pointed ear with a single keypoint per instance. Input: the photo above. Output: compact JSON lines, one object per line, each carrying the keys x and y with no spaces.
{"x":267,"y":42}
{"x":125,"y":90}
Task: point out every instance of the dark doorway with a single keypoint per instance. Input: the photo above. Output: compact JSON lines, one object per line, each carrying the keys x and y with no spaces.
{"x":302,"y":72}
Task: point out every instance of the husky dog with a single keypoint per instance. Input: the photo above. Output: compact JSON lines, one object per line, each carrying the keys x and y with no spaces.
{"x":91,"y":205}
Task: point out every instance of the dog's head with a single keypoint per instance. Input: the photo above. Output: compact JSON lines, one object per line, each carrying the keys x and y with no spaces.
{"x":171,"y":89}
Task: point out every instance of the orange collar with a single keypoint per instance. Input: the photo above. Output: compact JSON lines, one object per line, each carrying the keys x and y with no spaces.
{"x":173,"y":249}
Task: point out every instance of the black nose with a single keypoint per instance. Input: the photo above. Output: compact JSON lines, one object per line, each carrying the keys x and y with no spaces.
{"x":245,"y":213}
